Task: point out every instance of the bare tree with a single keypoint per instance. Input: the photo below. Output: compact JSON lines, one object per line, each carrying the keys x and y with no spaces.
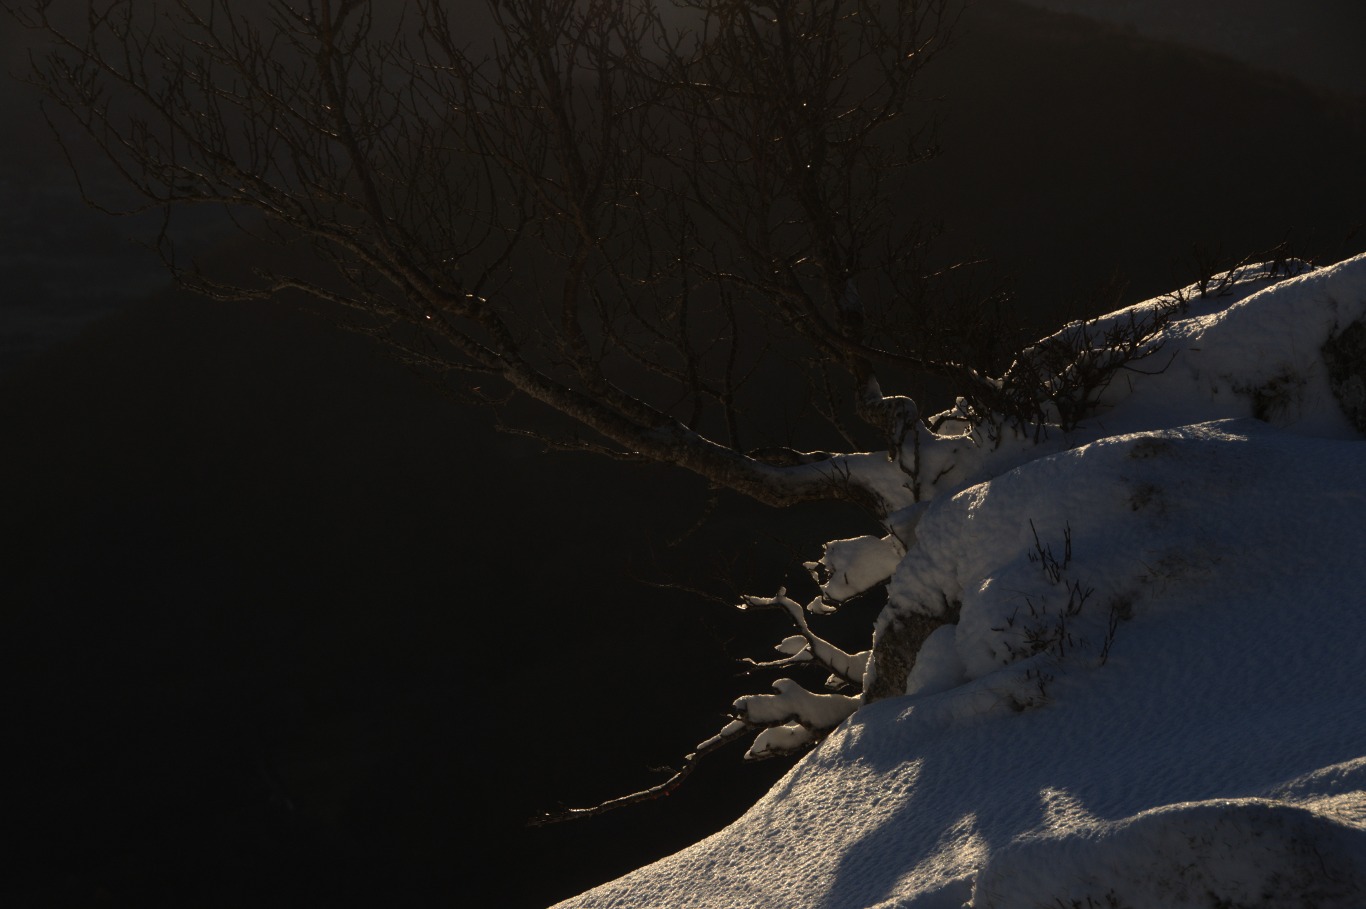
{"x":627,"y":214}
{"x":650,"y":220}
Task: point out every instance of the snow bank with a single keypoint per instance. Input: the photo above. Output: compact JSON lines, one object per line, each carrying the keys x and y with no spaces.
{"x":1150,"y":696}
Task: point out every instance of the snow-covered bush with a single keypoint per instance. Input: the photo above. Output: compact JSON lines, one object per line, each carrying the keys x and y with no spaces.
{"x":1123,"y":390}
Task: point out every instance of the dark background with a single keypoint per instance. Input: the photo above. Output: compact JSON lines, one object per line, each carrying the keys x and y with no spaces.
{"x":284,"y":626}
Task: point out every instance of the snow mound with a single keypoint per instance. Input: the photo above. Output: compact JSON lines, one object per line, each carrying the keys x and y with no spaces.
{"x":1240,"y":852}
{"x":1146,"y":688}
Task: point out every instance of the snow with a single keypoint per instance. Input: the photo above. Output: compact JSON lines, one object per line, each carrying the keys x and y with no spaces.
{"x":1151,"y":696}
{"x":791,"y":701}
{"x":938,"y":667}
{"x":856,"y":565}
{"x":1224,"y":852}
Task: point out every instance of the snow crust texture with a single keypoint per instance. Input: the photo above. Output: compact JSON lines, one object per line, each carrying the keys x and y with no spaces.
{"x":1239,"y":852}
{"x":1152,"y":692}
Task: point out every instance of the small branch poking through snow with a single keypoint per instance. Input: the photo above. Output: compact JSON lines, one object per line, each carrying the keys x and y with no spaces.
{"x":795,"y":648}
{"x":848,"y":667}
{"x":733,"y":730}
{"x":787,"y":722}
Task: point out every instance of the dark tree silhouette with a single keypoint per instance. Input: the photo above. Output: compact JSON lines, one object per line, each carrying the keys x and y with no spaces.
{"x":630,"y":215}
{"x":652,"y":221}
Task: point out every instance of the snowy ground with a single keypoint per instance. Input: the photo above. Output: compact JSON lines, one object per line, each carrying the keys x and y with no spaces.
{"x":1199,"y":738}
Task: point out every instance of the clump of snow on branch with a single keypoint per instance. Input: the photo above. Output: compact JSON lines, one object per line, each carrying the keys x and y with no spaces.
{"x":793,"y":718}
{"x":851,"y":567}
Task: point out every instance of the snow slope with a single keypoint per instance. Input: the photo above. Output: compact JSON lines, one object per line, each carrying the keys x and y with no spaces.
{"x":1190,"y":731}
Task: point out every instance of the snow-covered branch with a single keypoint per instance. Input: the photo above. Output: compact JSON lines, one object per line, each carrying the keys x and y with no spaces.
{"x":846,"y":667}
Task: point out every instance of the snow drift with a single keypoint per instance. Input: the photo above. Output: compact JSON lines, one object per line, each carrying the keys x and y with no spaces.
{"x":1146,"y":687}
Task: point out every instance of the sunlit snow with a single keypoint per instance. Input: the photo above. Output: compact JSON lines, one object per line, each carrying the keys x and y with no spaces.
{"x":1193,"y":732}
